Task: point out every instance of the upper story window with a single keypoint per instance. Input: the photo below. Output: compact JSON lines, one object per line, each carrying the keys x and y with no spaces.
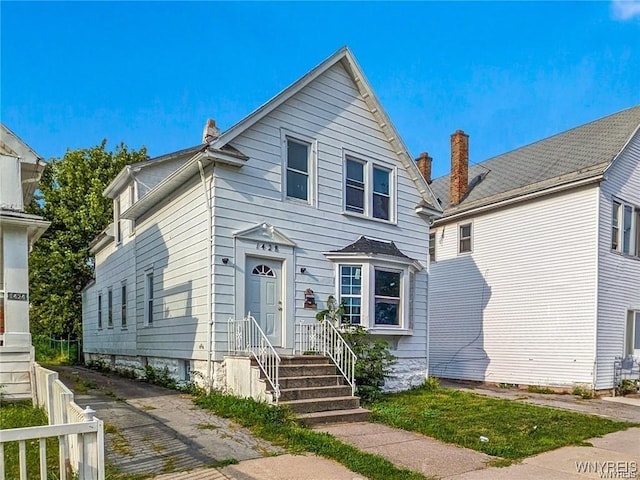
{"x":298,"y":169}
{"x":625,"y":228}
{"x":368,"y":189}
{"x":432,"y":246}
{"x":116,"y":219}
{"x":464,"y":238}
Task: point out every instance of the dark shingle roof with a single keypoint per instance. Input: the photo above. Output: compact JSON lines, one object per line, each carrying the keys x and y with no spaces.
{"x":579,"y":153}
{"x":368,"y":246}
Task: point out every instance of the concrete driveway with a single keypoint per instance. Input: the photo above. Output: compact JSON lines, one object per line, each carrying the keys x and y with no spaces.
{"x":153,"y":430}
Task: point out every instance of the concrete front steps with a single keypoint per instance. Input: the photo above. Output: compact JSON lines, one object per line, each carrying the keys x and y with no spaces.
{"x":314,"y":389}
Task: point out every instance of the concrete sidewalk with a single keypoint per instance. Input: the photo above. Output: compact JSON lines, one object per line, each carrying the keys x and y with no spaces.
{"x":617,"y":452}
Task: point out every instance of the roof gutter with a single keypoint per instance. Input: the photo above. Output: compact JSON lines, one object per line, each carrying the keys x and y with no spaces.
{"x":517,"y":199}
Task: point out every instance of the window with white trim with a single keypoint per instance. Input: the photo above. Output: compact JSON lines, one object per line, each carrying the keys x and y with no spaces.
{"x":375,"y":294}
{"x":351,"y":293}
{"x":123,"y":308}
{"x":625,"y":228}
{"x":368,"y":189}
{"x":110,"y":308}
{"x":99,"y":310}
{"x":632,"y":334}
{"x":298,"y":169}
{"x":148,"y":299}
{"x":432,"y":246}
{"x":465,"y":232}
{"x":116,"y":219}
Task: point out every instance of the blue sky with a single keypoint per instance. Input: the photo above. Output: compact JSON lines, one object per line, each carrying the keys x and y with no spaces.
{"x":148,"y":73}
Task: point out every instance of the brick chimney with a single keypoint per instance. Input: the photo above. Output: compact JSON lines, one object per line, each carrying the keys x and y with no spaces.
{"x":459,"y":166}
{"x":424,"y":165}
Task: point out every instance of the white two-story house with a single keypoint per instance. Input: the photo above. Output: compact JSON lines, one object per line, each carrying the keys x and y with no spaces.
{"x":535,"y":263}
{"x":311,"y":195}
{"x":20,"y":170}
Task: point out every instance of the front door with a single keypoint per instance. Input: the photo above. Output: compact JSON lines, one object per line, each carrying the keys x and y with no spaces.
{"x":263,"y":296}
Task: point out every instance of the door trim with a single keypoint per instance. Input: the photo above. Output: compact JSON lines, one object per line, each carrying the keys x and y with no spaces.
{"x":250,"y":247}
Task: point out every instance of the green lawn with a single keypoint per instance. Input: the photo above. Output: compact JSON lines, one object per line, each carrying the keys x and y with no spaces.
{"x":514,"y":429}
{"x":276,"y":424}
{"x":16,"y":415}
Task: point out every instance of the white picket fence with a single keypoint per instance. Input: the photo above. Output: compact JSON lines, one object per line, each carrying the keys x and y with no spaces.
{"x":80,"y":434}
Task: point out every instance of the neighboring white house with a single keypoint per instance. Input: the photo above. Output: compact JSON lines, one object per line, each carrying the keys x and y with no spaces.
{"x":535,"y":264}
{"x":20,"y":170}
{"x":311,"y":195}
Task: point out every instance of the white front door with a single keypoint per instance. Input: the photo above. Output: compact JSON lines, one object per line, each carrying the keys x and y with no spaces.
{"x":263,"y":296}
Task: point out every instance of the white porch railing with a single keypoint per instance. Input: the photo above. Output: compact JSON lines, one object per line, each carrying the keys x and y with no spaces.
{"x":80,"y":434}
{"x":324,"y":338}
{"x":246,"y":337}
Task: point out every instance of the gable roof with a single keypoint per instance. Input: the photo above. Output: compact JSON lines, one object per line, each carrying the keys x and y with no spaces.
{"x":346,"y":58}
{"x":580,"y":154}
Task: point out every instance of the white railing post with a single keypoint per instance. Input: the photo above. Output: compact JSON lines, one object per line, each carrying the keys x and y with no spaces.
{"x":323,"y":337}
{"x":246,"y":336}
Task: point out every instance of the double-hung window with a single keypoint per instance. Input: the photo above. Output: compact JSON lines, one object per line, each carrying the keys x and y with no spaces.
{"x":351,"y":292}
{"x":110,"y":308}
{"x":148,"y":298}
{"x":387,"y":297}
{"x":123,"y":299}
{"x":464,"y":238}
{"x":368,"y":189}
{"x":298,"y":183}
{"x":99,"y":311}
{"x":625,"y":228}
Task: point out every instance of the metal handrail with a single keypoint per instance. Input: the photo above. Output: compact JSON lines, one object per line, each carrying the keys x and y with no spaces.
{"x":247,"y":337}
{"x":324,"y":338}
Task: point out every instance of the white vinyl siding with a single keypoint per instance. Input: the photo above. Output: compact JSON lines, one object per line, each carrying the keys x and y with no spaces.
{"x":330,"y":111}
{"x":520,"y":307}
{"x":618,"y":290}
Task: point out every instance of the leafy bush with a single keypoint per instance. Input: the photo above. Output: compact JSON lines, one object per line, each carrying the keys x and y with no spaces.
{"x":160,"y":377}
{"x":628,"y":387}
{"x":584,"y":391}
{"x":374,"y":361}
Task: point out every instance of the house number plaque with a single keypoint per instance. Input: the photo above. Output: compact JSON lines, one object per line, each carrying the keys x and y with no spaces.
{"x":17,"y":296}
{"x":269,"y":247}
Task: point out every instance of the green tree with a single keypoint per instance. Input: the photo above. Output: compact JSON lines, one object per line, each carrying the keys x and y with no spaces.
{"x":60,"y":265}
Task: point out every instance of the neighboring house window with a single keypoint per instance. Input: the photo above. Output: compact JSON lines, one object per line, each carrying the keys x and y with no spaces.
{"x":298,"y":154}
{"x":351,"y":292}
{"x":625,"y":228}
{"x":465,"y":232}
{"x":148,"y":311}
{"x":116,"y":219}
{"x":99,"y":310}
{"x":615,"y":228}
{"x":627,"y":221}
{"x":432,"y":246}
{"x":123,"y":297}
{"x":132,"y":200}
{"x":632,"y":343}
{"x":110,"y":308}
{"x":368,"y":189}
{"x":387,"y":297}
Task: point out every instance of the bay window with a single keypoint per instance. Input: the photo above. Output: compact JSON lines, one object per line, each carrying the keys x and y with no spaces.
{"x":351,"y":292}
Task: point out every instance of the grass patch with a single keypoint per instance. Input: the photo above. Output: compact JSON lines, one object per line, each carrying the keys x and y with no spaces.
{"x":542,"y":390}
{"x":223,"y":463}
{"x":207,"y":426}
{"x":19,"y":415}
{"x":515,"y":430}
{"x":119,"y":442}
{"x":277,"y":425}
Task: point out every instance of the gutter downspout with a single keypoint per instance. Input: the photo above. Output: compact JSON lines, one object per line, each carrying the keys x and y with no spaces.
{"x":209,"y":275}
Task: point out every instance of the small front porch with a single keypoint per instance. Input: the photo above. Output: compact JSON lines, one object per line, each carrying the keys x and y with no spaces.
{"x":316,"y":380}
